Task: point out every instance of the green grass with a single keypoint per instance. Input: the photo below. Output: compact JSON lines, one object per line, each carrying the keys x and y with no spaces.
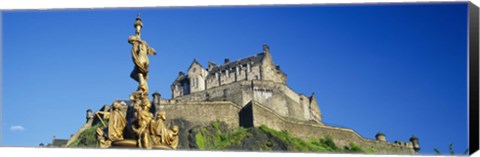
{"x":200,"y":141}
{"x":325,"y":144}
{"x":218,"y":140}
{"x":354,"y":148}
{"x":296,"y":144}
{"x":87,"y":138}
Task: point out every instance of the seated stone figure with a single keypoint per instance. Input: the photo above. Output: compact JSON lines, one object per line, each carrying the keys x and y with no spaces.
{"x":160,"y":134}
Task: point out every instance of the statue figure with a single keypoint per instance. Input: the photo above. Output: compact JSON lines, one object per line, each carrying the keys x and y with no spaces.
{"x":172,"y":137}
{"x":136,"y":97}
{"x":144,"y":117}
{"x":161,"y":135}
{"x":147,"y":132}
{"x":140,"y":50}
{"x":158,"y":128}
{"x":117,"y":122}
{"x":104,"y":143}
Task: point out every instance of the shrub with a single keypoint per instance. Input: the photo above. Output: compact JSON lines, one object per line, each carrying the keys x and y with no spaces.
{"x":87,"y":138}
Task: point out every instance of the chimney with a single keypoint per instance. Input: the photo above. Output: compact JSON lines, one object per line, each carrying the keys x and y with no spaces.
{"x":211,"y":65}
{"x":266,"y":48}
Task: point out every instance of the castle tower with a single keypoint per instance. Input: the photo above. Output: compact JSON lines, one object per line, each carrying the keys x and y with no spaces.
{"x":415,"y":143}
{"x":89,"y":114}
{"x":156,"y":98}
{"x":380,"y":137}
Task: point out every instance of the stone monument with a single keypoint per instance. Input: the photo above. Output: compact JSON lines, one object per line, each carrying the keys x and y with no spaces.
{"x":148,"y":131}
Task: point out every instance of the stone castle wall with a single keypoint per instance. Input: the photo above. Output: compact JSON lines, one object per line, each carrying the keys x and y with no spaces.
{"x":255,"y":114}
{"x":202,"y":113}
{"x":276,"y":96}
{"x":341,"y":136}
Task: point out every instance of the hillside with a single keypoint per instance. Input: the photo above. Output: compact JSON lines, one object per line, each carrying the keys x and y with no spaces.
{"x":216,"y":136}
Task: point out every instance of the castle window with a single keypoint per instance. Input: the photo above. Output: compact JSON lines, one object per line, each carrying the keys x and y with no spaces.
{"x":228,"y":73}
{"x":193,"y":82}
{"x":196,"y":82}
{"x":239,"y":72}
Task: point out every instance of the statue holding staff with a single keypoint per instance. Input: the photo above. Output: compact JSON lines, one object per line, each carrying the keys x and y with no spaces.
{"x":116,"y":124}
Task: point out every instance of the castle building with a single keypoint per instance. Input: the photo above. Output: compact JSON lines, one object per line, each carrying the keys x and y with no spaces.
{"x":251,"y":92}
{"x":257,"y":67}
{"x":254,"y":78}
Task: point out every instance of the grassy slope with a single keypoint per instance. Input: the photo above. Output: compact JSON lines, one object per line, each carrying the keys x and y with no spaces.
{"x":212,"y":138}
{"x":87,"y":138}
{"x":217,"y":137}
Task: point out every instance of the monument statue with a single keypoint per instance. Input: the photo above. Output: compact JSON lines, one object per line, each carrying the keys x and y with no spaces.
{"x":144,"y":131}
{"x":158,"y":128}
{"x":103,"y":142}
{"x":161,"y":135}
{"x":116,"y":125}
{"x":140,"y":52}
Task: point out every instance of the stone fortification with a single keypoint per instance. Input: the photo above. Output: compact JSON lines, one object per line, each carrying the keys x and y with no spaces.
{"x":276,"y":96}
{"x":252,"y":91}
{"x":341,"y":136}
{"x":255,"y":114}
{"x":203,"y":113}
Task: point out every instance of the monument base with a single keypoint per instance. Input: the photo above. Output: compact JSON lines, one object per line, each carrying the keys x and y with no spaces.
{"x":129,"y":143}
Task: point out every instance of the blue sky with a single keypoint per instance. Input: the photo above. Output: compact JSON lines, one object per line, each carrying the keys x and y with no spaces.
{"x":398,"y":69}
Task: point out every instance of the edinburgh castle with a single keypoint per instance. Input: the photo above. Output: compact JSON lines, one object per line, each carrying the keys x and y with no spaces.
{"x":249,"y":93}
